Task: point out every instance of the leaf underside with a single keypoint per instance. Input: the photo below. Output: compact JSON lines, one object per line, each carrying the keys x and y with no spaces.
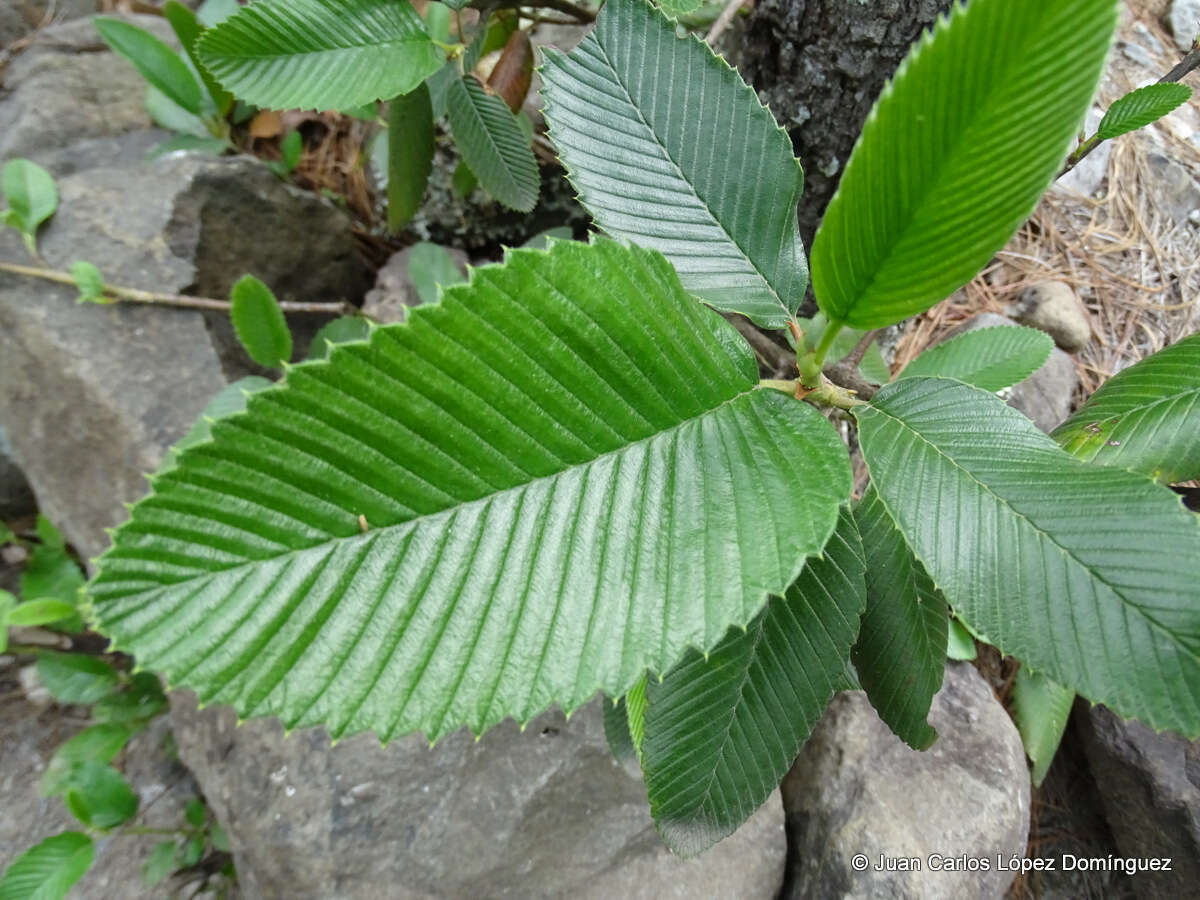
{"x":956,"y":152}
{"x":1145,"y":418}
{"x":669,"y":149}
{"x":900,"y":654}
{"x":987,"y":358}
{"x":410,"y":154}
{"x":1087,"y":573}
{"x":320,"y":54}
{"x":492,"y":143}
{"x":722,"y":730}
{"x":566,"y":475}
{"x":1041,"y":708}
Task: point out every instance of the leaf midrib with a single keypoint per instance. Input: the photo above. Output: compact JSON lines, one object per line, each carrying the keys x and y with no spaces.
{"x":283,"y":55}
{"x":682,"y":177}
{"x":1150,"y":620}
{"x":1192,"y":393}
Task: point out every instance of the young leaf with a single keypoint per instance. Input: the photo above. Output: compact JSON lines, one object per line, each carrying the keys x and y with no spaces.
{"x":410,"y":154}
{"x":463,"y":181}
{"x":159,"y":864}
{"x":676,"y":8}
{"x":154,"y":60}
{"x":616,"y":730}
{"x":1084,"y":572}
{"x":1139,"y":108}
{"x":75,"y":678}
{"x":900,"y":654}
{"x":670,"y":149}
{"x":1041,"y":708}
{"x":566,"y":460}
{"x":259,"y":323}
{"x":1145,"y":418}
{"x":635,"y":715}
{"x":188,"y":29}
{"x":957,"y":151}
{"x":320,"y":54}
{"x":48,"y":871}
{"x":50,"y":572}
{"x":97,"y":743}
{"x":722,"y":729}
{"x":432,"y":267}
{"x":872,"y":366}
{"x":437,"y":21}
{"x":99,"y":796}
{"x":41,"y":612}
{"x":290,"y":150}
{"x":195,"y":812}
{"x":960,"y":645}
{"x":133,"y":707}
{"x":31,"y":194}
{"x":341,"y":330}
{"x":492,"y":144}
{"x":89,"y":281}
{"x":987,"y":358}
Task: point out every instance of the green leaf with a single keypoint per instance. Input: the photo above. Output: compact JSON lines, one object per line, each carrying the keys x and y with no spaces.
{"x":956,"y":153}
{"x":50,"y":572}
{"x":154,"y":60}
{"x":872,"y":366}
{"x":290,"y":149}
{"x":320,"y":54}
{"x":463,"y":181}
{"x":1041,"y":708}
{"x":227,"y":401}
{"x":431,"y":268}
{"x":214,"y":12}
{"x":165,"y":113}
{"x":410,"y":154}
{"x":41,"y":612}
{"x":491,"y":142}
{"x":7,"y":602}
{"x":674,"y":8}
{"x":135,"y":706}
{"x":75,"y":678}
{"x":1145,"y":418}
{"x":99,"y":796}
{"x":437,"y":21}
{"x":668,"y":148}
{"x":188,"y":29}
{"x":49,"y":870}
{"x":565,"y":468}
{"x":219,"y":839}
{"x":259,"y":323}
{"x":616,"y":730}
{"x":960,"y":645}
{"x":89,"y":281}
{"x":159,"y":864}
{"x":542,"y":239}
{"x":1139,"y":108}
{"x":341,"y":330}
{"x":191,"y":852}
{"x":723,"y":728}
{"x":900,"y":655}
{"x":1084,"y":572}
{"x":456,"y":5}
{"x":97,"y":743}
{"x":635,"y":715}
{"x":195,"y":812}
{"x":31,"y":194}
{"x":987,"y":358}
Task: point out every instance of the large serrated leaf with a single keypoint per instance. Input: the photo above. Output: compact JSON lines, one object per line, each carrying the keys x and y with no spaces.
{"x":1089,"y":574}
{"x":320,"y":54}
{"x":188,"y":29}
{"x":1139,"y":108}
{"x":47,"y":871}
{"x":988,"y":358}
{"x":491,"y":141}
{"x":900,"y":655}
{"x":1145,"y":418}
{"x":556,"y":478}
{"x":956,"y":152}
{"x":668,"y":148}
{"x":722,"y":729}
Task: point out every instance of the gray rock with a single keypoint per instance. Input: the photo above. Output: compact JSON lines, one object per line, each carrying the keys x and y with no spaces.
{"x":92,"y":396}
{"x":1045,"y":396}
{"x":1175,"y":190}
{"x":857,"y":789}
{"x":394,"y":289}
{"x":31,"y":735}
{"x":1053,"y":307}
{"x":67,"y":87}
{"x":19,"y":18}
{"x":1184,"y":19}
{"x":1150,"y":784}
{"x":16,"y":497}
{"x":544,"y":813}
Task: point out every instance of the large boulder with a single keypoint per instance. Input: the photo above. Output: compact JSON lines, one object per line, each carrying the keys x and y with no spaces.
{"x":859,"y":801}
{"x":1150,"y":784}
{"x":92,"y":396}
{"x":546,"y":812}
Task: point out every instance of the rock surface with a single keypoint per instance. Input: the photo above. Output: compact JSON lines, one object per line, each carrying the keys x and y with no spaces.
{"x":1184,"y":19}
{"x":1150,"y":784}
{"x":1053,"y":307}
{"x":19,"y":18}
{"x":92,"y":396}
{"x":857,"y":789}
{"x":395,"y":291}
{"x":16,"y":497}
{"x":1045,"y":396}
{"x":544,"y":813}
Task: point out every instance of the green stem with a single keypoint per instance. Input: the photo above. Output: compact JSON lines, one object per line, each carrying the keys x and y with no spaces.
{"x":831,"y":332}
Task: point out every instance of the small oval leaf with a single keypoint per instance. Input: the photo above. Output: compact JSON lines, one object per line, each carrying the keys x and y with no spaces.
{"x":259,"y":323}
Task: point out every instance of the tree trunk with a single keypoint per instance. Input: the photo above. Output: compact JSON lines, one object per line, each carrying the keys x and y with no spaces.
{"x":819,"y":65}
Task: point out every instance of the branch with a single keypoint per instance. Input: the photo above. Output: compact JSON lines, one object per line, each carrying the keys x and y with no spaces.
{"x":723,"y":20}
{"x":779,"y":359}
{"x":846,"y":375}
{"x":133,"y":295}
{"x":578,"y":13}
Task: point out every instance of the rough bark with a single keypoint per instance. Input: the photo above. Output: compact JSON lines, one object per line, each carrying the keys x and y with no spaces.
{"x":819,"y":65}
